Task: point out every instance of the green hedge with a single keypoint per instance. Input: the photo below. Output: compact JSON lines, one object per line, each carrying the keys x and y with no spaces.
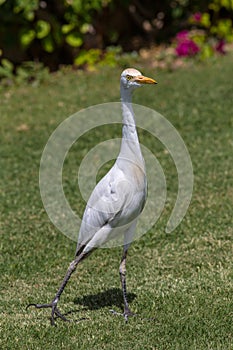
{"x":60,"y":32}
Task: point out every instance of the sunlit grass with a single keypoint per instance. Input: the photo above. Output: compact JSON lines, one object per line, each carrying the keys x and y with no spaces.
{"x":184,"y":280}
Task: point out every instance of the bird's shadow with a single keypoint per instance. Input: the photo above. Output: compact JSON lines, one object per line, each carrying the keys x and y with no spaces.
{"x":109,"y":298}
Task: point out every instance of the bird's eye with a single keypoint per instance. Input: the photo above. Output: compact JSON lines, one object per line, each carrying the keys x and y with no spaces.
{"x":129,"y":77}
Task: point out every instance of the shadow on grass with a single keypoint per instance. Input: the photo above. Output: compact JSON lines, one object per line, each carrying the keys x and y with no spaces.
{"x":109,"y":298}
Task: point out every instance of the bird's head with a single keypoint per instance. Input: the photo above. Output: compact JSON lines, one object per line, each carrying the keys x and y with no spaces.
{"x":131,"y":78}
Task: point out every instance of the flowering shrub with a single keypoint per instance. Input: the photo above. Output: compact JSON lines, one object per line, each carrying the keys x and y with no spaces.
{"x":186,"y":46}
{"x":79,"y":32}
{"x":208,"y":32}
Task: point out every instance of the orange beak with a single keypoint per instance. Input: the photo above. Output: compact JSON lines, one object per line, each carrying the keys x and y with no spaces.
{"x":144,"y":80}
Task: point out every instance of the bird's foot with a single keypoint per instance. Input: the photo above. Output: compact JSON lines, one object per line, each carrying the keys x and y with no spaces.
{"x":126,"y":314}
{"x":55,"y":311}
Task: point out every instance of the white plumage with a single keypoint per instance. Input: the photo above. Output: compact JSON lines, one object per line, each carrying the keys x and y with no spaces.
{"x":118,"y":199}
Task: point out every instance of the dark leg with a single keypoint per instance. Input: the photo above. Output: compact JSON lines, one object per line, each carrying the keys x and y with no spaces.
{"x":54,"y":302}
{"x":122,"y":270}
{"x":127,"y":311}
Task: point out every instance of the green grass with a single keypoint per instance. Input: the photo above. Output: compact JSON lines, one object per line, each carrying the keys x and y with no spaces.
{"x":183,"y":279}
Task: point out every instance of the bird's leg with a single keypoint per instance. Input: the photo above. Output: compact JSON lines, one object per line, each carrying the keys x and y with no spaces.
{"x":53,"y":304}
{"x":122,"y":270}
{"x":127,"y":311}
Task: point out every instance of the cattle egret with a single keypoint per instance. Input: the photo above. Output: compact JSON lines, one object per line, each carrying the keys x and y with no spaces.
{"x":117,"y":200}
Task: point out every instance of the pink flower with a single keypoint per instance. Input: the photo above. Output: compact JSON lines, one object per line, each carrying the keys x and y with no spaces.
{"x":197,"y":16}
{"x":185,"y":45}
{"x":187,"y":48}
{"x":220,"y":47}
{"x":183,"y":35}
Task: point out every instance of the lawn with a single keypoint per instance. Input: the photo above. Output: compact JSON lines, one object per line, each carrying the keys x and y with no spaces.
{"x":180,"y":284}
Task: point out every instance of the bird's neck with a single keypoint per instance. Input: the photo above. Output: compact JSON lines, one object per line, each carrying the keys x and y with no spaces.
{"x":130,"y":147}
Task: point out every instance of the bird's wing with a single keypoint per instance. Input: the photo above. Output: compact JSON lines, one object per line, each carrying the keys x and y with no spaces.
{"x":105,"y":204}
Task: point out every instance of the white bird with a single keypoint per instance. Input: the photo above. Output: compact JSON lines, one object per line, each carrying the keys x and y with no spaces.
{"x":117,"y":200}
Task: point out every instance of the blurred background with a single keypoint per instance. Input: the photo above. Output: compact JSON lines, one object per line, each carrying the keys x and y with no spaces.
{"x":87,"y":33}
